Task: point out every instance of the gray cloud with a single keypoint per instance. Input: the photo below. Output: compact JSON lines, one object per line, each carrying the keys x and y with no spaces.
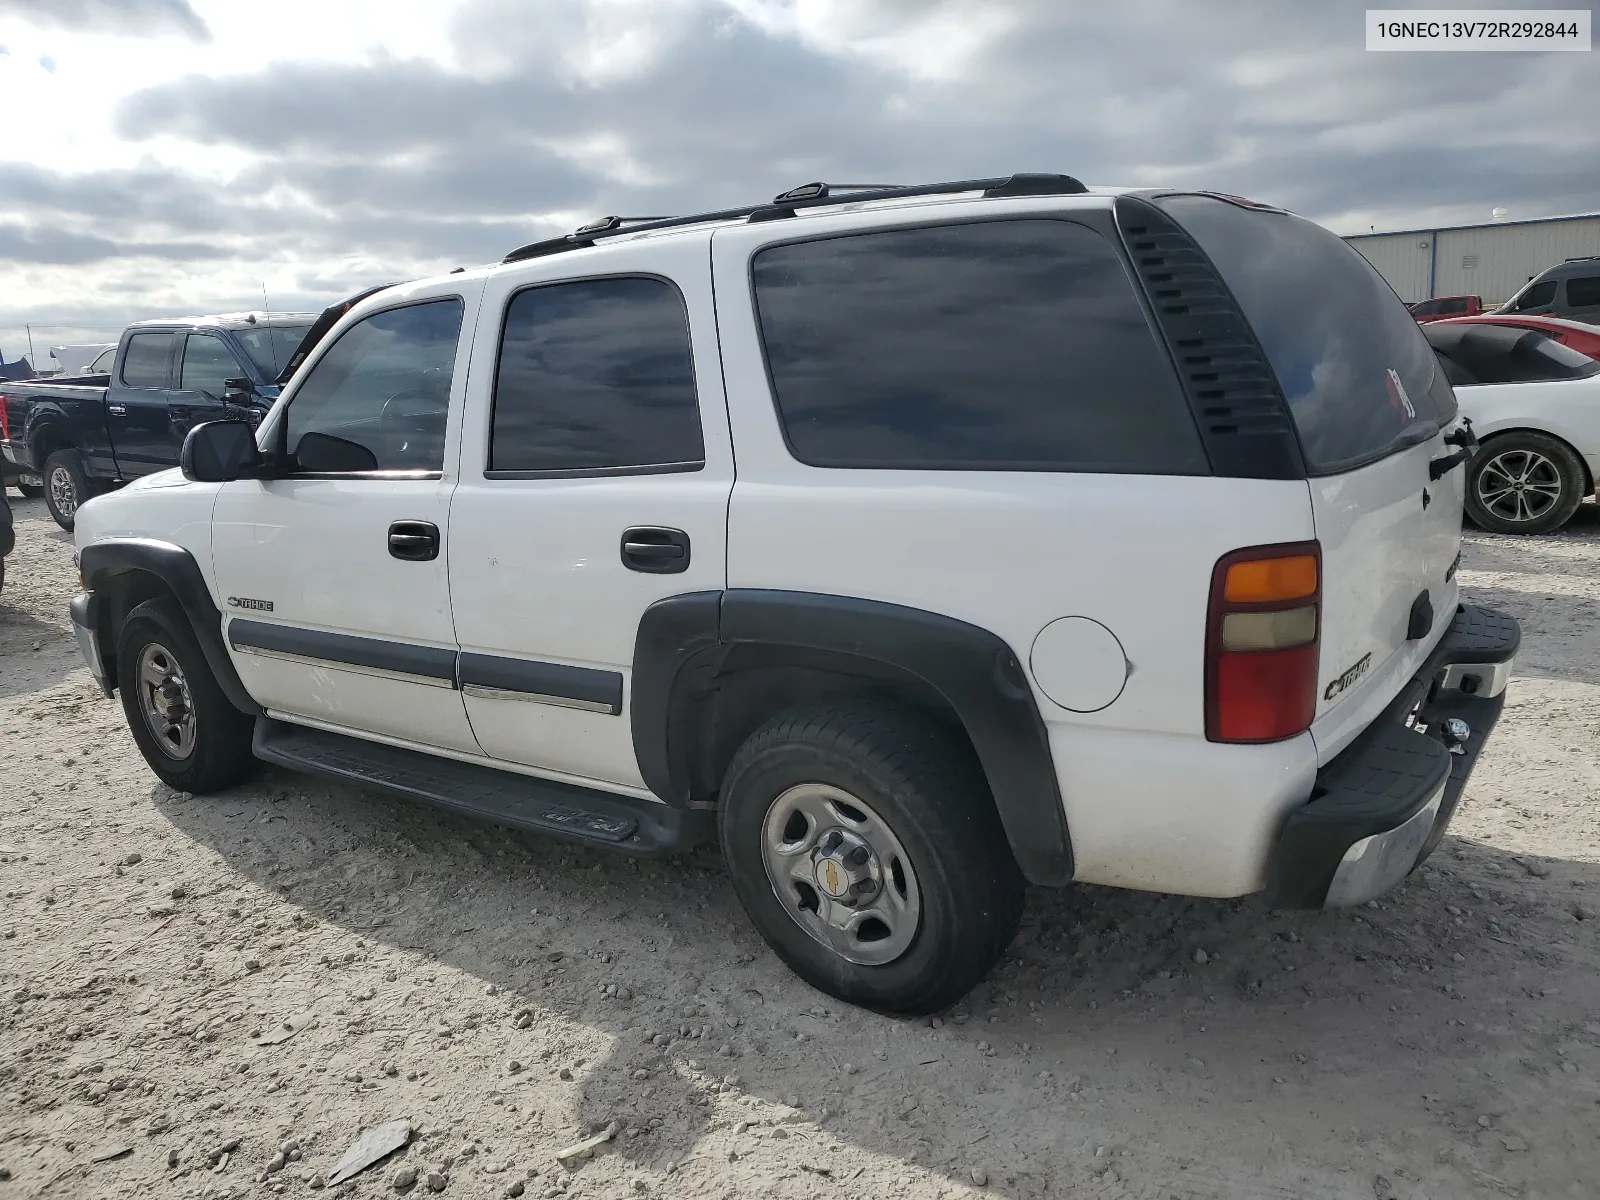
{"x":559,"y":110}
{"x":138,"y":18}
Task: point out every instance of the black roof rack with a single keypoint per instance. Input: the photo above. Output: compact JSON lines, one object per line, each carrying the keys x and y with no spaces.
{"x":809,"y":195}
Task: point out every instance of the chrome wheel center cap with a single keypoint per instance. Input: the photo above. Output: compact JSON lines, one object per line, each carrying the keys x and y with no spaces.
{"x":845,"y":869}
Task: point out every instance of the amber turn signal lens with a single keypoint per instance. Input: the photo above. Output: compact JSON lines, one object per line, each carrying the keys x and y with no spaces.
{"x":1268,"y":580}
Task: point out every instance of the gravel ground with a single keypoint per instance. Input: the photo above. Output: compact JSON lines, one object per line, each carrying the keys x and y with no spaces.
{"x":511,"y":997}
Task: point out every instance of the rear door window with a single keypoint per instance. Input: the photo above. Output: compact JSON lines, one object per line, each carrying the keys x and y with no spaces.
{"x":1583,"y":291}
{"x":144,"y":363}
{"x":1002,"y":346}
{"x":1359,"y":377}
{"x":595,"y":376}
{"x":1452,"y":306}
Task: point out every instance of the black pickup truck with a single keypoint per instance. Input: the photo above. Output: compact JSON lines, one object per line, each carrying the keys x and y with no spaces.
{"x":90,"y":432}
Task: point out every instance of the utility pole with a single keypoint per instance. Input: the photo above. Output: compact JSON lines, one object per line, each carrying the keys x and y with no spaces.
{"x":32,"y":361}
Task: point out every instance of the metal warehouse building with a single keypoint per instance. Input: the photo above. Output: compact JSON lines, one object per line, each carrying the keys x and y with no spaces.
{"x":1491,"y":261}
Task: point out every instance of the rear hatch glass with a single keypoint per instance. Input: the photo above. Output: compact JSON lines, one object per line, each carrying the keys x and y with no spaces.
{"x":1331,"y":327}
{"x":1368,"y":402}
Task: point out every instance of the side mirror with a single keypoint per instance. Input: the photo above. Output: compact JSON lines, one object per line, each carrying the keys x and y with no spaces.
{"x":322,"y":453}
{"x":220,"y":452}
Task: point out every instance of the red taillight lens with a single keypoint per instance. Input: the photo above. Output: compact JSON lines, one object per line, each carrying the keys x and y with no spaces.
{"x":1262,"y":635}
{"x":5,"y":420}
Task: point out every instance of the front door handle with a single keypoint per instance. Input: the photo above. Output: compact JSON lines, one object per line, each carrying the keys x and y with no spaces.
{"x":414,"y":541}
{"x":117,"y":410}
{"x":655,"y":550}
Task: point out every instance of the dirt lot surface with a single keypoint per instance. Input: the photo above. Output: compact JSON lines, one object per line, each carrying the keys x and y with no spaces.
{"x":511,"y":997}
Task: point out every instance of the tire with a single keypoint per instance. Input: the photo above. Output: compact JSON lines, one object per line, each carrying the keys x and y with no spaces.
{"x":31,"y":491}
{"x":66,"y":486}
{"x":1524,"y":483}
{"x":203,"y":743}
{"x":936,"y":846}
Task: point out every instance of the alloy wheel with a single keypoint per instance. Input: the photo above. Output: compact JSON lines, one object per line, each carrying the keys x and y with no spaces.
{"x":1519,"y":485}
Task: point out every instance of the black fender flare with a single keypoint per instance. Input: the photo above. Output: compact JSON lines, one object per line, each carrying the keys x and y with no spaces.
{"x":101,"y":565}
{"x":681,"y":640}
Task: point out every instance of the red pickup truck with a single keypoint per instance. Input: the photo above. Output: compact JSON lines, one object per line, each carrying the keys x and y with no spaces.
{"x":1441,"y":307}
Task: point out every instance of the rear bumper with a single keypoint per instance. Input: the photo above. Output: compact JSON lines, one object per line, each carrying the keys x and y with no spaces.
{"x":1382,"y":805}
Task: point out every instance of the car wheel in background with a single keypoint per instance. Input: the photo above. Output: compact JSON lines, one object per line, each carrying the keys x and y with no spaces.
{"x":31,"y":486}
{"x":1524,"y":483}
{"x":66,"y":486}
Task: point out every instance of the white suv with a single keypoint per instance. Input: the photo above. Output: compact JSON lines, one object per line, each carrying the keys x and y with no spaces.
{"x":921,"y":542}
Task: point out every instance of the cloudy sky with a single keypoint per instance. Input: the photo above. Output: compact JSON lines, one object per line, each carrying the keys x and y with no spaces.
{"x":173,"y":156}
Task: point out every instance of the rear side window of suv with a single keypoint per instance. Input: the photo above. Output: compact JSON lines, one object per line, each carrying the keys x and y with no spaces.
{"x":1002,"y":345}
{"x":1359,"y":376}
{"x":1583,"y":291}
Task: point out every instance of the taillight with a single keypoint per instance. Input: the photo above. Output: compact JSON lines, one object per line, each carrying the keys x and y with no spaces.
{"x":5,"y":419}
{"x":1261,"y":643}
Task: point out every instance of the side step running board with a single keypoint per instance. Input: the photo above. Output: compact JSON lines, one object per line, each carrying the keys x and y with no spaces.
{"x":560,"y":810}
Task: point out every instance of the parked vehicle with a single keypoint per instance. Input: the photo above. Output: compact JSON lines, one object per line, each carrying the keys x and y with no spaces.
{"x":80,"y":360}
{"x":1061,"y":547}
{"x":1534,"y":405}
{"x":88,"y":432}
{"x":1441,"y":307}
{"x":1582,"y":337}
{"x":8,"y":536}
{"x":1570,"y":289}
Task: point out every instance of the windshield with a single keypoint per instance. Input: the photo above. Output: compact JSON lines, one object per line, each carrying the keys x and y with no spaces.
{"x":271,"y":347}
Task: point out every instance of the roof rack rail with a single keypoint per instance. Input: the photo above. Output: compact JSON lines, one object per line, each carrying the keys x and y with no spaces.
{"x":809,"y":195}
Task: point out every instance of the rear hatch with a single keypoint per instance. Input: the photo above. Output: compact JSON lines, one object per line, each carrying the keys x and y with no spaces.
{"x":1371,"y":408}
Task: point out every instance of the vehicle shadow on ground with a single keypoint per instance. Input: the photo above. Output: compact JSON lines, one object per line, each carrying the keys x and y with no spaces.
{"x":1220,"y":1016}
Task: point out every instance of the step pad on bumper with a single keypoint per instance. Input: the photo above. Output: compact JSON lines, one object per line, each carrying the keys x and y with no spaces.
{"x":573,"y":814}
{"x":1383,"y":804}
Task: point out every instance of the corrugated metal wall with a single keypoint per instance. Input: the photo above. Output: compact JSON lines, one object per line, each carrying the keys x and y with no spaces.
{"x":1491,"y":261}
{"x":1401,"y":258}
{"x":1508,"y":256}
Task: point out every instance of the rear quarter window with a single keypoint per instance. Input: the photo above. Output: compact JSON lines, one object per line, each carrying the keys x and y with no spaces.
{"x":1014,"y":345}
{"x":1332,"y":329}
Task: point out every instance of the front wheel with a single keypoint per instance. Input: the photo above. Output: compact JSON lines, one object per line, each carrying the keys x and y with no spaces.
{"x":186,"y":728}
{"x":864,"y":845}
{"x":1524,"y":483}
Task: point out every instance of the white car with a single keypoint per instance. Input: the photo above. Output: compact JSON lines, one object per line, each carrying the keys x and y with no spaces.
{"x":915,"y":543}
{"x":1534,"y":405}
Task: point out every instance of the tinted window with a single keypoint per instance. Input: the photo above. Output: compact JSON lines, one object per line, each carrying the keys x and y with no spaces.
{"x":1537,"y":296}
{"x":1452,"y":306}
{"x":1507,"y":354}
{"x":207,"y":365}
{"x":102,"y":362}
{"x":1338,"y":339}
{"x":595,"y":375}
{"x":271,"y":347}
{"x":144,"y":364}
{"x":1428,"y":308}
{"x":385,"y":385}
{"x":1007,"y":345}
{"x":1583,"y":292}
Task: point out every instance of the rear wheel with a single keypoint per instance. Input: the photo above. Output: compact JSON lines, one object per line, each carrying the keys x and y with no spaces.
{"x":187,"y":730}
{"x":866,"y":850}
{"x":31,"y":486}
{"x":66,"y":486}
{"x":1524,"y":483}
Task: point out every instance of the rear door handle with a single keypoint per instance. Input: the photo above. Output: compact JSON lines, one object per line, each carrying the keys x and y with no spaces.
{"x":414,"y":541}
{"x":655,"y":550}
{"x":117,"y":410}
